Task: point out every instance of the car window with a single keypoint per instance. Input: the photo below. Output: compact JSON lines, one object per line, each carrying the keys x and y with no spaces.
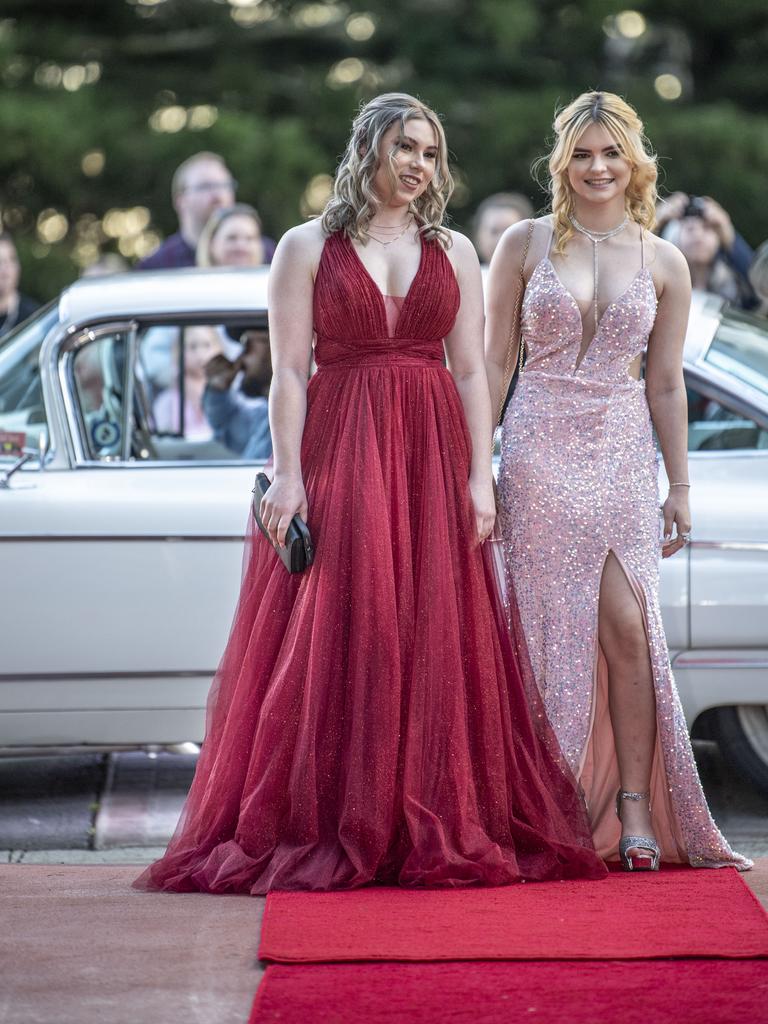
{"x":740,"y":348}
{"x":22,"y":411}
{"x":199,"y":393}
{"x":713,"y":426}
{"x":99,"y":374}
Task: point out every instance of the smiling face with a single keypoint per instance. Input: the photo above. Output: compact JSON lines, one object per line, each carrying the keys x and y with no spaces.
{"x":597,"y":171}
{"x":407,"y":162}
{"x":237,"y":243}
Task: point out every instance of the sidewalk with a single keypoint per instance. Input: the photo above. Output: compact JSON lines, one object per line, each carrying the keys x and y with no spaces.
{"x":80,"y":946}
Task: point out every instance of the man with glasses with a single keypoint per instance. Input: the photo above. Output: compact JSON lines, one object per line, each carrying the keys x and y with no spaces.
{"x":200,"y":185}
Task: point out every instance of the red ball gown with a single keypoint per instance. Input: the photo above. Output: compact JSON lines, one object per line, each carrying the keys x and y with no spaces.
{"x":372,"y":719}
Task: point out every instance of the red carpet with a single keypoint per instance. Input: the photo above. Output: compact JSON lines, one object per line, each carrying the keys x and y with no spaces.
{"x":617,"y":992}
{"x":675,"y":913}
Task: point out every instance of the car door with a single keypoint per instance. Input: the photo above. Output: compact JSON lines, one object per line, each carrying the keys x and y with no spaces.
{"x":125,"y":564}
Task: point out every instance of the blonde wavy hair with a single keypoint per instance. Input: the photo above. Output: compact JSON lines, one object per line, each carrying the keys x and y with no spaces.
{"x":353,"y":202}
{"x":626,"y":128}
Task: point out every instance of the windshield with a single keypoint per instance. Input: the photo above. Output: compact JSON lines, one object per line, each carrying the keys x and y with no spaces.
{"x":22,"y":412}
{"x":740,"y":348}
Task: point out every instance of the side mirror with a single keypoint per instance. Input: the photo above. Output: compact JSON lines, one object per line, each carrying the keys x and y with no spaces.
{"x":23,"y":459}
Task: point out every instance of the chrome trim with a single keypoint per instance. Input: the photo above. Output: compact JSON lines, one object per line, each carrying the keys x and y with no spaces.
{"x":123,"y":538}
{"x":730,"y":545}
{"x":56,"y":677}
{"x":169,"y":464}
{"x":731,"y":453}
{"x":61,"y":358}
{"x":86,"y":748}
{"x":702,"y":661}
{"x":129,"y":377}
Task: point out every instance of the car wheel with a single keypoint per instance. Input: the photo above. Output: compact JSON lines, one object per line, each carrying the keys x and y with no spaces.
{"x":742,"y":733}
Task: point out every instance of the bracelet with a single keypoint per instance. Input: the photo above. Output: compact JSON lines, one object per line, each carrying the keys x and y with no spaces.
{"x":679,"y":484}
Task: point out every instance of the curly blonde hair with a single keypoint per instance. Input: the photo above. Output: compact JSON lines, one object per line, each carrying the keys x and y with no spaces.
{"x":626,"y":128}
{"x":353,"y":202}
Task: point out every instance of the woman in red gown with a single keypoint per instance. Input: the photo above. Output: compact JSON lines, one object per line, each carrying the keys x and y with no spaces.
{"x":372,"y":720}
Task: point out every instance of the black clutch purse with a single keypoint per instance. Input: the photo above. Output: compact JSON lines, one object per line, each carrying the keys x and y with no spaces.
{"x":298,"y":553}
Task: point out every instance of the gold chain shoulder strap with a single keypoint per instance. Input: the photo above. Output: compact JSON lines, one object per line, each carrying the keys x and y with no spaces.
{"x":507,"y":380}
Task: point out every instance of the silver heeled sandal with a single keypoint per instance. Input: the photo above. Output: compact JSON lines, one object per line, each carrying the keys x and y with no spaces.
{"x":644,"y":843}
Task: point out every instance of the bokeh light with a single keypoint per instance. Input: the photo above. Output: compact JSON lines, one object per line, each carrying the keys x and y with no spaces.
{"x":360,"y":27}
{"x":668,"y":86}
{"x":317,"y":15}
{"x":52,"y":226}
{"x":631,"y":24}
{"x":168,"y":119}
{"x":92,"y":163}
{"x":316,"y":194}
{"x":251,"y":14}
{"x":345,"y":72}
{"x":201,"y":117}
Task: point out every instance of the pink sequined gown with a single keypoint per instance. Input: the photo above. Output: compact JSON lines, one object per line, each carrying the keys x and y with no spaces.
{"x":578,"y":480}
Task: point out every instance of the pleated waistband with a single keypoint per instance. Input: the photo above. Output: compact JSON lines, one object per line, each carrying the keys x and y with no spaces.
{"x":380,"y":359}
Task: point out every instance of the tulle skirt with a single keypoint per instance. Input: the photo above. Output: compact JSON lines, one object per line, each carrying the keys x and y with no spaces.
{"x":375,"y":719}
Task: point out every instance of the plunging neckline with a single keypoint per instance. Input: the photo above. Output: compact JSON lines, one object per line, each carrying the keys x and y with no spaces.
{"x":614,"y":302}
{"x":381,"y":295}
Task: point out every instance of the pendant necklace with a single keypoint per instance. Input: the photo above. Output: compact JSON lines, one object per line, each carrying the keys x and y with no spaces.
{"x":401,"y":232}
{"x":595,"y":238}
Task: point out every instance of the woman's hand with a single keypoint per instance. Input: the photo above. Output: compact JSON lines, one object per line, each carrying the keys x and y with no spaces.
{"x":676,"y":512}
{"x":484,"y":504}
{"x":284,"y":499}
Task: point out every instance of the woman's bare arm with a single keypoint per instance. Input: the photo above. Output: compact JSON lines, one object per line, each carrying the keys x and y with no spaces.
{"x":464,"y":348}
{"x":665,"y":386}
{"x":502,"y":327}
{"x":291,"y":287}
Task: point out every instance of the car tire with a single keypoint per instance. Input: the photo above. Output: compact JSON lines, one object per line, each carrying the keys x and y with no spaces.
{"x":742,"y":733}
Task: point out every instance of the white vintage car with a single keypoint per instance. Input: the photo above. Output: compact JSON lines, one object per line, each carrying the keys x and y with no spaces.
{"x":121,"y":537}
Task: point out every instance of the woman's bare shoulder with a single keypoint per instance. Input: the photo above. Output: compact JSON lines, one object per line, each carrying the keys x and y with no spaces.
{"x":668,"y":265}
{"x":461,"y":252}
{"x":304,"y":242}
{"x":513,"y":241}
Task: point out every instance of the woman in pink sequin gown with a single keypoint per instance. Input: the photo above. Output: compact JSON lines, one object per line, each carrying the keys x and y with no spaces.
{"x":578,"y":480}
{"x":371,"y":719}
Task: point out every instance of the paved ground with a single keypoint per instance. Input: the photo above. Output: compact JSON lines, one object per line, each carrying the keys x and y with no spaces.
{"x":80,"y":946}
{"x":122,"y":808}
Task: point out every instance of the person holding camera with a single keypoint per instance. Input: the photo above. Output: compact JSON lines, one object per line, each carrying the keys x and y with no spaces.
{"x":238,"y":412}
{"x":718,"y":257}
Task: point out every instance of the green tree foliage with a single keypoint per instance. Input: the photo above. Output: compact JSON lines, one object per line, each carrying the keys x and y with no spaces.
{"x":101,"y":101}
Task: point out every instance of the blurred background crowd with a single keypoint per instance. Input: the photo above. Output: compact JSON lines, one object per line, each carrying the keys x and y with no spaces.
{"x":169,"y":133}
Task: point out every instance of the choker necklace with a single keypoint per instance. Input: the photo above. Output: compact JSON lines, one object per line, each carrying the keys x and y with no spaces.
{"x":595,"y":238}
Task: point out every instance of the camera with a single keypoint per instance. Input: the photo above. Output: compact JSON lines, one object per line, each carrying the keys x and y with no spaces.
{"x":696,"y":207}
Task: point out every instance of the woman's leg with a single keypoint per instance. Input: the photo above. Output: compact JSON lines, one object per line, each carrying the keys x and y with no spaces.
{"x":632,"y":702}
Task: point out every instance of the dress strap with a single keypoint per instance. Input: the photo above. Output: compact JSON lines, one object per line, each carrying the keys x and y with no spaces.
{"x":551,"y":240}
{"x":642,"y":247}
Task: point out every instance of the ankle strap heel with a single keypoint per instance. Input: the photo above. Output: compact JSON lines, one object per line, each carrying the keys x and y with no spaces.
{"x":648,"y":846}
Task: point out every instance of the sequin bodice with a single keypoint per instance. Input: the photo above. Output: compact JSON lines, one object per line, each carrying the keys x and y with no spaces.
{"x":552,"y":327}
